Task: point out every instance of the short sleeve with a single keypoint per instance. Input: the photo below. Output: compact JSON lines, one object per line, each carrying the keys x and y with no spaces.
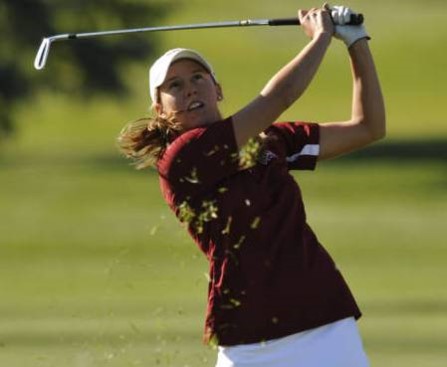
{"x":199,"y":158}
{"x":301,"y":142}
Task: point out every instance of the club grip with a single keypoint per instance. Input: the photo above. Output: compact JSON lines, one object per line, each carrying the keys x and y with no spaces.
{"x":356,"y":19}
{"x":284,"y":21}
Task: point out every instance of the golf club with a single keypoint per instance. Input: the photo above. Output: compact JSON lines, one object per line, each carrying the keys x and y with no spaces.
{"x":44,"y":49}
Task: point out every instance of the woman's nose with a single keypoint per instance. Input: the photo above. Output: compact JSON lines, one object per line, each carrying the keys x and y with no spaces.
{"x":191,"y":89}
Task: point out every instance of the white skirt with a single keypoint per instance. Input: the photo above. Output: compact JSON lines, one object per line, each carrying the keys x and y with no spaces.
{"x":334,"y":345}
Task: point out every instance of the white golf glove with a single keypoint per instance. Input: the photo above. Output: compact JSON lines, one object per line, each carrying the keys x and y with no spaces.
{"x":349,"y":34}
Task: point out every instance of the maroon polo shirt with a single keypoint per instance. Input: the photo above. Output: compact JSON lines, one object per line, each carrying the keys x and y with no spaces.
{"x":269,"y":275}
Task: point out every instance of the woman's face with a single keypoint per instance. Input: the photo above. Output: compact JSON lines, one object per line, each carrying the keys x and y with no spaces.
{"x":190,"y":93}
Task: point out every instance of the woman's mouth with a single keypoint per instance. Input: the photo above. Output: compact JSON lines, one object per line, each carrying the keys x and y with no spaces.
{"x":195,"y":105}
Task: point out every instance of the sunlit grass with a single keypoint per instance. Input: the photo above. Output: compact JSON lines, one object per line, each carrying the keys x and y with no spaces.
{"x":95,"y":270}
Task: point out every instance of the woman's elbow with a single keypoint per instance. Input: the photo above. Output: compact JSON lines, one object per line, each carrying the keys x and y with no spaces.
{"x":378,"y":129}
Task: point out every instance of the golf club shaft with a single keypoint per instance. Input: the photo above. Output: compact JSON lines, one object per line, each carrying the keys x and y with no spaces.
{"x":44,"y":49}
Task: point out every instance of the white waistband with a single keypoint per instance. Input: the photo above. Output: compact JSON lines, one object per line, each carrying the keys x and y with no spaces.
{"x":334,"y":345}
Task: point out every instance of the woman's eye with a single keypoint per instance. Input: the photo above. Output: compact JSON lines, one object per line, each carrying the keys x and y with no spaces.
{"x":198,"y":76}
{"x":174,"y":85}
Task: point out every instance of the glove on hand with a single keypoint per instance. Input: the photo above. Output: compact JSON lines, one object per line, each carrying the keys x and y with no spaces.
{"x":349,"y":34}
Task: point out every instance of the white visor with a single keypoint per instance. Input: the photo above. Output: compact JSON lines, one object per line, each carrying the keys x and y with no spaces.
{"x":159,"y":69}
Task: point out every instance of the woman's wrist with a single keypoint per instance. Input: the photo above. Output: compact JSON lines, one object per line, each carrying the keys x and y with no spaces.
{"x":324,"y":36}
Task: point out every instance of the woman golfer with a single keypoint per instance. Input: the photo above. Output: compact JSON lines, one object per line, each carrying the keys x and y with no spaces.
{"x":275,"y":298}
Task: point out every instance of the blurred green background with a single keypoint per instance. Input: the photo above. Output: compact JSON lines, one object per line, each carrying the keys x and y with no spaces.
{"x":94,"y":269}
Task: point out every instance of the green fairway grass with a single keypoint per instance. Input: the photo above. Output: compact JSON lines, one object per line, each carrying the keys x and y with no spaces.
{"x":95,"y":270}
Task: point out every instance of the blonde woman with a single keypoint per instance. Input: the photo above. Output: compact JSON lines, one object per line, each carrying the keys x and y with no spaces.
{"x":275,"y":297}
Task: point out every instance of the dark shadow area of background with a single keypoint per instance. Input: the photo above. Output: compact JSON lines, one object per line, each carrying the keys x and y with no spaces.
{"x":399,"y":151}
{"x":402,"y":150}
{"x":430,"y":150}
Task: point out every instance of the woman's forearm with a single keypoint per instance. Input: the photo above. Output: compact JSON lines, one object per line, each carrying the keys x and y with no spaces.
{"x":367,"y":105}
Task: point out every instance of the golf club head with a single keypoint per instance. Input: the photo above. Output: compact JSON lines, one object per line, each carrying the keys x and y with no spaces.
{"x":42,"y":53}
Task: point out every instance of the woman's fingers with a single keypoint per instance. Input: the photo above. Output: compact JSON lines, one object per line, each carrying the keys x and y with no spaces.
{"x":315,"y":20}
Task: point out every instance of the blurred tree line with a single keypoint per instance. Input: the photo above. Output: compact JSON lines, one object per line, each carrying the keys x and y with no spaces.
{"x":81,"y":67}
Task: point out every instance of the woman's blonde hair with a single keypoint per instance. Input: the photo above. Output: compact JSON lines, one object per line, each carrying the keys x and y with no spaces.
{"x":145,"y":139}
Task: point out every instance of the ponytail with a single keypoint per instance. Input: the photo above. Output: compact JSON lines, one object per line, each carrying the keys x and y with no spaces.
{"x":144,"y":140}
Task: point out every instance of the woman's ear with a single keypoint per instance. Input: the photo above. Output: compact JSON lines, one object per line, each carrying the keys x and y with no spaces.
{"x":219,"y":92}
{"x":158,"y":108}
